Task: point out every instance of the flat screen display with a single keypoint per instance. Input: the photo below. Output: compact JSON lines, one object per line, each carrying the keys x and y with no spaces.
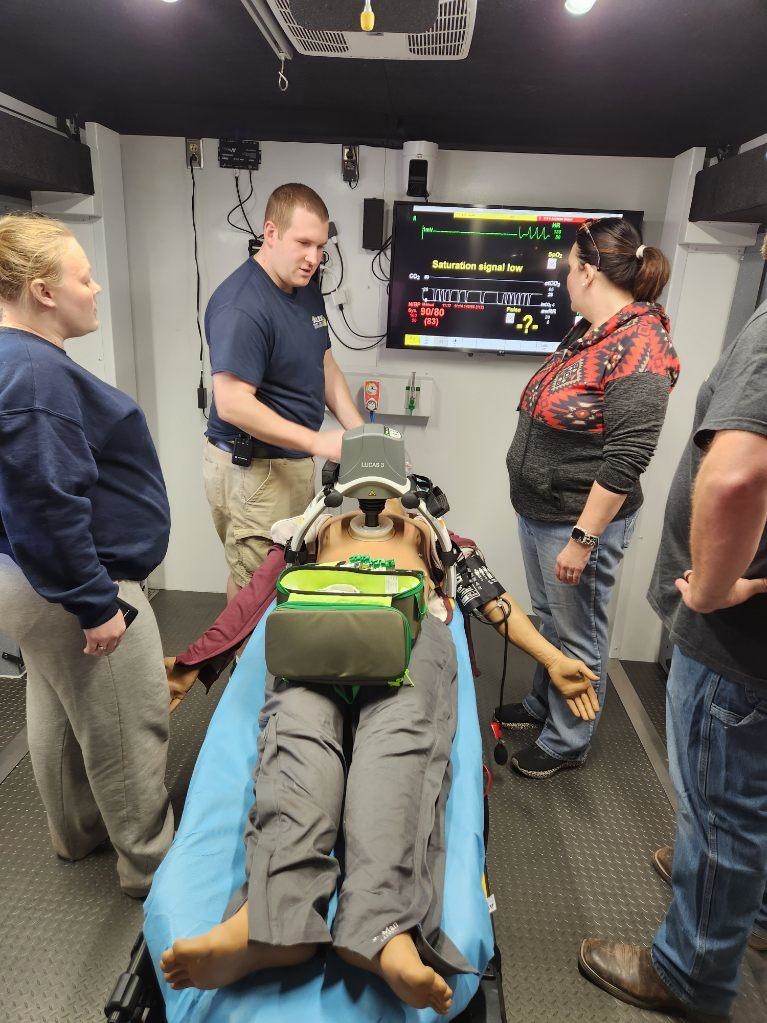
{"x":482,"y":278}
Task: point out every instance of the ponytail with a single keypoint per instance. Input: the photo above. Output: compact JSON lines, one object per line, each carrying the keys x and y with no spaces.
{"x":651,"y":276}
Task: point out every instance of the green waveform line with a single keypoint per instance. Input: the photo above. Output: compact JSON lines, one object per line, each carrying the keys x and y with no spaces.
{"x":535,"y":233}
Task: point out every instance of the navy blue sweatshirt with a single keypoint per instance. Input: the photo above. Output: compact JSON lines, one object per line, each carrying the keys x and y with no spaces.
{"x":82,"y":497}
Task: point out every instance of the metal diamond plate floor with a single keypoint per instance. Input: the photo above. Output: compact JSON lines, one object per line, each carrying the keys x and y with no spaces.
{"x":649,"y":681}
{"x":66,"y":930}
{"x":569,"y":858}
{"x":12,"y":709}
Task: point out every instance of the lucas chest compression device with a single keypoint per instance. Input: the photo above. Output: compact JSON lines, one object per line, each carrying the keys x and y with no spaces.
{"x":372,"y":470}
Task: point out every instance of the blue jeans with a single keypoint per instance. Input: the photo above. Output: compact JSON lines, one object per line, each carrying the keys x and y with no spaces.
{"x":717,"y":749}
{"x":574,"y":619}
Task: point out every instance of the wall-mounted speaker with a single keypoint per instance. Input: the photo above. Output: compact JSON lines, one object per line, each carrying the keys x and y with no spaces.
{"x":418,"y":164}
{"x":373,"y":224}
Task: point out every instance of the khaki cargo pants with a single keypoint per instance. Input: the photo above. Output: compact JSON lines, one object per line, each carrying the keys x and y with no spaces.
{"x":246,"y":502}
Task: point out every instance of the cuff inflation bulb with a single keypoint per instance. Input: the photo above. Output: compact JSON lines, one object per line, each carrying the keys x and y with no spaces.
{"x":500,"y":753}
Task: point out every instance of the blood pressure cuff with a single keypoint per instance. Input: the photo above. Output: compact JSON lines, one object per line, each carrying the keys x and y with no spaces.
{"x":475,"y":583}
{"x":344,"y":626}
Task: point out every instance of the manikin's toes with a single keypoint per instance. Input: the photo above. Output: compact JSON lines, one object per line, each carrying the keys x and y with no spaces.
{"x":406,"y":974}
{"x":225,"y":955}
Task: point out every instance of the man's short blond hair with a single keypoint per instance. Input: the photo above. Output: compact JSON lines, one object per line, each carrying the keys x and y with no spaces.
{"x":285,"y":199}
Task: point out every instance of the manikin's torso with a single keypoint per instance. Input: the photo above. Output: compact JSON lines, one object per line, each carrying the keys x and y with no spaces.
{"x":408,"y":546}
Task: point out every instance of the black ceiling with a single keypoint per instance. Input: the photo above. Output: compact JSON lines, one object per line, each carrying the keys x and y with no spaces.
{"x":633,"y":77}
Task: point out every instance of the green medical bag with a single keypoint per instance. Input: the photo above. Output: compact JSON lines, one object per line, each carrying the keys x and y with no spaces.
{"x":343,"y":625}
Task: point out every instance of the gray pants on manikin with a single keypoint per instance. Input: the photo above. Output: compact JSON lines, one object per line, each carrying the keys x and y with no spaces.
{"x":97,"y":730}
{"x":392,"y":796}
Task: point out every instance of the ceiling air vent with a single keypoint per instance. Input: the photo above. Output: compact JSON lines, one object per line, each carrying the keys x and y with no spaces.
{"x":428,"y":30}
{"x":313,"y":42}
{"x":449,"y":36}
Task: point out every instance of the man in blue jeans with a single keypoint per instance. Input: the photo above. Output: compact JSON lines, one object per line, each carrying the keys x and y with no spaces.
{"x":709,"y":587}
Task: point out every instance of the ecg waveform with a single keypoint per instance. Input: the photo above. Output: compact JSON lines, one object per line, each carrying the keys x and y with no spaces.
{"x":464,"y":296}
{"x":535,"y":232}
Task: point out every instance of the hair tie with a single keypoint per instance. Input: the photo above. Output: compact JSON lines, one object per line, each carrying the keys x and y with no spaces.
{"x":640,"y":251}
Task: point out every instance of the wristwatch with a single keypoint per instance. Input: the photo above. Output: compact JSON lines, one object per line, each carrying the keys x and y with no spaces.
{"x":582,"y":537}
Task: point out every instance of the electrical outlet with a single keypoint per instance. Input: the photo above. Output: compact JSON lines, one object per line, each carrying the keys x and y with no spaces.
{"x":350,"y":164}
{"x":194,"y":153}
{"x":340,"y":296}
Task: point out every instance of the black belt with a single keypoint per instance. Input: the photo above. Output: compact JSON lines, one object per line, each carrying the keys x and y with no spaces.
{"x":222,"y":445}
{"x":259,"y":450}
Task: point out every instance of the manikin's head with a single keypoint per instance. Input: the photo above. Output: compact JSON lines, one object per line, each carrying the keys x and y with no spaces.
{"x":45,"y":279}
{"x":295,"y":235}
{"x":608,"y":260}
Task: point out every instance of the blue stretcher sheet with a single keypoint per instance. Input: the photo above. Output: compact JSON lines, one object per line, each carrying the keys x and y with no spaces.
{"x":206,"y":863}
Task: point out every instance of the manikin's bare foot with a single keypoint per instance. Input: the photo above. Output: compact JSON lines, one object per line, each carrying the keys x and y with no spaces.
{"x":403,"y":970}
{"x":180,"y":680}
{"x":224,"y":955}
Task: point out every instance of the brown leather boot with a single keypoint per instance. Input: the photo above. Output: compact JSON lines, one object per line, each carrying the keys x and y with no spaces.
{"x":663,"y":858}
{"x":627,"y":972}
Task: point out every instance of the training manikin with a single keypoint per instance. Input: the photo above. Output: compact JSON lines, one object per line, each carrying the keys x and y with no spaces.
{"x":392,"y":785}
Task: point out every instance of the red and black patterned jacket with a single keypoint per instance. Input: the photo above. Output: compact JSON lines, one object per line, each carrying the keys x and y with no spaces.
{"x":593,"y":411}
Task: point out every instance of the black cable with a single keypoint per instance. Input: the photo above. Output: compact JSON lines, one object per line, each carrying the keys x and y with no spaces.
{"x":240,"y":204}
{"x":506,"y":612}
{"x":325,"y":262}
{"x":381,"y":275}
{"x":341,"y":277}
{"x":356,"y":155}
{"x":500,"y":753}
{"x":365,"y":337}
{"x":353,"y":348}
{"x":197,"y":269}
{"x":196,"y":264}
{"x":341,"y":262}
{"x":242,"y":207}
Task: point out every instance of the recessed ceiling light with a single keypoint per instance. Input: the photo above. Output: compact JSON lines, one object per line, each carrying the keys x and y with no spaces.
{"x":579,"y":6}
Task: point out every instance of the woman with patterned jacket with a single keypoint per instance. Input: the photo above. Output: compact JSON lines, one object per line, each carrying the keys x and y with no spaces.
{"x":589,"y":421}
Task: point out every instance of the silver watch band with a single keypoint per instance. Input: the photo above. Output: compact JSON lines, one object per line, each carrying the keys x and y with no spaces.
{"x":582,"y":537}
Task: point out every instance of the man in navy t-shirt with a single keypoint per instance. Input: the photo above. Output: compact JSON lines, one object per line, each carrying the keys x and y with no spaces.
{"x":273,"y":375}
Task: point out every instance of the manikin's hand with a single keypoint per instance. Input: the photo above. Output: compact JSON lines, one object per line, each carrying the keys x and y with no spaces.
{"x":327,"y":445}
{"x":105,"y":639}
{"x":571,"y":561}
{"x":573,"y":680}
{"x":180,"y":681}
{"x":740,"y":591}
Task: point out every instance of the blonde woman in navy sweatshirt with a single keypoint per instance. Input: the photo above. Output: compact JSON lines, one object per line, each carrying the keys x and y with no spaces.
{"x":83,"y":518}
